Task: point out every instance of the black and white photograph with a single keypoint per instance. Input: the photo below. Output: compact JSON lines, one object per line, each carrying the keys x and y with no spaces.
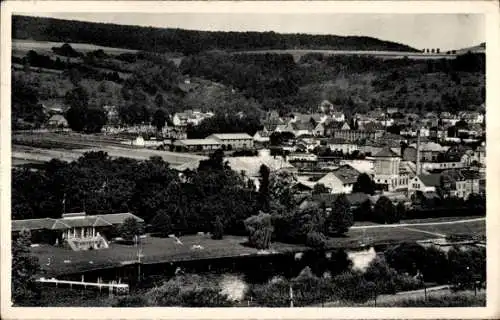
{"x":247,"y":160}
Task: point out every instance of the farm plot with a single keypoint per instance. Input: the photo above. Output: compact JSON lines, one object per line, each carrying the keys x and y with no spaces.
{"x":23,"y":46}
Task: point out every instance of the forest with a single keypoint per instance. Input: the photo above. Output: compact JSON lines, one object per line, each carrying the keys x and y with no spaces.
{"x":184,"y":41}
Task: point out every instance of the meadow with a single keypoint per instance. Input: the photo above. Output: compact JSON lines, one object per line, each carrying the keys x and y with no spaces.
{"x":158,"y":250}
{"x":45,"y":47}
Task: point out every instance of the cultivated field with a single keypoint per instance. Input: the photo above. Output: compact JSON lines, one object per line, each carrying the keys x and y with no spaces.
{"x":43,"y":147}
{"x":299,"y":53}
{"x":41,"y":47}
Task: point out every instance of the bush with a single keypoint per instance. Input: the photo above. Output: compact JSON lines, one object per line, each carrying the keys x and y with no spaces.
{"x":218,"y":229}
{"x":466,"y":266}
{"x":316,"y":239}
{"x":188,"y":291}
{"x":204,"y":297}
{"x":307,"y":289}
{"x":353,"y":287}
{"x":275,"y":293}
{"x":133,"y":301}
{"x":405,"y":257}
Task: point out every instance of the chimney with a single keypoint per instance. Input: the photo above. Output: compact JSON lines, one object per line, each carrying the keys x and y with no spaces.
{"x":418,"y":152}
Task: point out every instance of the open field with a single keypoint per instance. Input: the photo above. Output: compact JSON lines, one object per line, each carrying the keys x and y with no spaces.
{"x":438,"y":298}
{"x":154,"y":250}
{"x":46,"y":47}
{"x":474,"y":228}
{"x":158,"y":250}
{"x":70,"y":146}
{"x":299,"y":53}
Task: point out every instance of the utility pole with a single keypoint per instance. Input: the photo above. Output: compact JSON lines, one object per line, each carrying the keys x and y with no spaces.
{"x":139,"y":255}
{"x":64,"y":203}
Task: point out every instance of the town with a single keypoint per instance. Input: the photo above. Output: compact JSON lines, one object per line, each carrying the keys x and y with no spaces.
{"x":246,"y":179}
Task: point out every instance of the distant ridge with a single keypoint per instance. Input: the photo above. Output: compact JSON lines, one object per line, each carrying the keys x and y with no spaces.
{"x":185,"y":41}
{"x":481,"y":48}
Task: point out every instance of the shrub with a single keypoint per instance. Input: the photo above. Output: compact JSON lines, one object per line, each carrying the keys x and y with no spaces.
{"x":316,"y":239}
{"x":218,"y":229}
{"x":272,"y":294}
{"x":204,"y":297}
{"x":405,"y":257}
{"x":466,"y":266}
{"x":352,"y":286}
{"x":131,"y":302}
{"x":188,"y":291}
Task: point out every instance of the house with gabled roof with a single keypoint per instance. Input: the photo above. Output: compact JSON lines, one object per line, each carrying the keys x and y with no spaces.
{"x":424,"y":183}
{"x":340,"y":180}
{"x":233,"y":140}
{"x":77,"y":231}
{"x":262,"y":137}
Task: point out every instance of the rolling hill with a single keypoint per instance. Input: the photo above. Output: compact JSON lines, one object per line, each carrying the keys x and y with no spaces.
{"x":184,"y":41}
{"x":481,"y":48}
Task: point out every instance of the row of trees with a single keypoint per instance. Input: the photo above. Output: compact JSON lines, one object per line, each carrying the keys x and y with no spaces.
{"x":196,"y":202}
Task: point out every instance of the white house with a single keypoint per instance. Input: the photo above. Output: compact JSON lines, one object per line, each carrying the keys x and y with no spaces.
{"x":261,"y":137}
{"x":341,"y":180}
{"x":424,"y":183}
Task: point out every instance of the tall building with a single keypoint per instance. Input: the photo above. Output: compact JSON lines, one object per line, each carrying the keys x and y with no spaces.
{"x":387,"y":168}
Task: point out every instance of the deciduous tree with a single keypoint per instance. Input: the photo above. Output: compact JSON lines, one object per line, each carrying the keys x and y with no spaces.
{"x":24,"y":268}
{"x":341,"y":218}
{"x":260,"y":230}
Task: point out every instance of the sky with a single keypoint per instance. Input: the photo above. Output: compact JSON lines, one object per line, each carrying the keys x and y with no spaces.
{"x":444,"y":31}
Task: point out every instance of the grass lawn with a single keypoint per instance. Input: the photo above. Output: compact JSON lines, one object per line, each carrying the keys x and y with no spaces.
{"x":473,"y":228}
{"x":154,"y":250}
{"x":158,"y":250}
{"x":441,"y":219}
{"x":373,"y":236}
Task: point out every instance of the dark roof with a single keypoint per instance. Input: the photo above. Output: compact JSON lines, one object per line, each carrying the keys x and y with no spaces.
{"x":335,"y":125}
{"x":118,"y":218}
{"x":328,"y":198}
{"x":386,"y":153}
{"x":302,"y":126}
{"x":430,"y":179}
{"x":371,"y":126}
{"x":461,"y":175}
{"x":346,"y":174}
{"x":32,"y":224}
{"x":73,"y":220}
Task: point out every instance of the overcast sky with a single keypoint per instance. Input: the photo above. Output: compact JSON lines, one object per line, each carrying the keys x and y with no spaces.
{"x":445,"y":31}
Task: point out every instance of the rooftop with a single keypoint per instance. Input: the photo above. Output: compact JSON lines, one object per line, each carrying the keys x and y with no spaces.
{"x":231,"y":136}
{"x":72,"y":220}
{"x":386,"y":153}
{"x":354,"y":198}
{"x":430,"y":180}
{"x":346,"y":174}
{"x":196,"y":142}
